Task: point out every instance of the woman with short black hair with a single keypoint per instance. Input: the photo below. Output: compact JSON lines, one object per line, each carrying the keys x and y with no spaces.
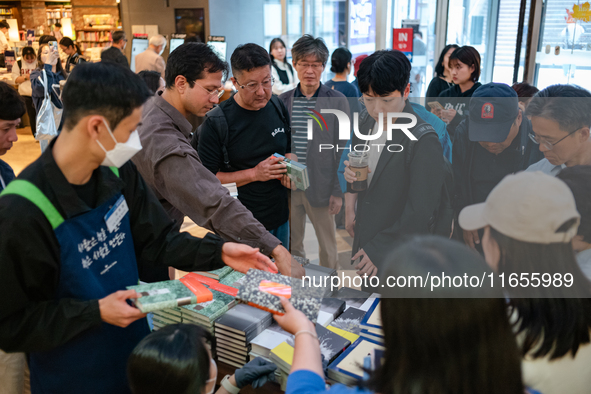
{"x":464,"y":63}
{"x":74,"y":53}
{"x":529,"y":221}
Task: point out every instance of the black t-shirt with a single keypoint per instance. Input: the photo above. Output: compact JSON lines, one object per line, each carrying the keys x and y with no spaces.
{"x":489,"y":169}
{"x":437,"y":86}
{"x":253,"y":136}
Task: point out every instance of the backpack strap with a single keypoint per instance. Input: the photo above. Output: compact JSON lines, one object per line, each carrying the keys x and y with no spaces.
{"x":279,"y":108}
{"x":20,"y":65}
{"x":221,"y":127}
{"x":32,"y":193}
{"x":418,"y":132}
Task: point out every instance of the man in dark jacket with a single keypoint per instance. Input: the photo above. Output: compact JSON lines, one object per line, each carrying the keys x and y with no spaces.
{"x":323,"y":199}
{"x":491,"y":144}
{"x":12,"y":108}
{"x":115,"y":54}
{"x":404,"y":186}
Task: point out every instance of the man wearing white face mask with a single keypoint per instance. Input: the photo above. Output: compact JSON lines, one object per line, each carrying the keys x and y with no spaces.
{"x":150,"y":59}
{"x":74,"y":233}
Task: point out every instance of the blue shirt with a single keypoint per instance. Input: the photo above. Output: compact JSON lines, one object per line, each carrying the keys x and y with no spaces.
{"x":6,"y":174}
{"x":308,"y":382}
{"x":348,"y":89}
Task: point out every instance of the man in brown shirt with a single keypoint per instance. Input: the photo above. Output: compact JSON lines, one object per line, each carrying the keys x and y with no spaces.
{"x":172,"y":168}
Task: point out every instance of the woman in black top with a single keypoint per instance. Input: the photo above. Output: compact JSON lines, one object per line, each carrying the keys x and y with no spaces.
{"x":74,"y":54}
{"x":465,"y":71}
{"x":342,"y":64}
{"x":442,"y":79}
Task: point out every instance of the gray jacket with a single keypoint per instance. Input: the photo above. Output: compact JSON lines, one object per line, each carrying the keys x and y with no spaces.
{"x":172,"y":168}
{"x":323,"y":166}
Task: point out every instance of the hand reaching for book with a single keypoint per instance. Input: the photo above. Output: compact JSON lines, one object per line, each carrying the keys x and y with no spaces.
{"x":115,"y":310}
{"x":242,"y":258}
{"x":293,"y":320}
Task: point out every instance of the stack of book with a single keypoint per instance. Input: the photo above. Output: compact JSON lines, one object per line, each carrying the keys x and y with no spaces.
{"x":164,"y":317}
{"x":267,"y":340}
{"x":349,"y":320}
{"x":204,"y":314}
{"x":348,"y":368}
{"x":234,"y":331}
{"x":218,"y":274}
{"x":371,"y":324}
{"x":282,"y":356}
{"x":320,"y":277}
{"x":330,"y":309}
{"x":331,"y":346}
{"x":297,"y":172}
{"x":352,"y":297}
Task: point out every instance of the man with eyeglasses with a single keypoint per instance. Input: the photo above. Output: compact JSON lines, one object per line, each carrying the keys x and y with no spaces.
{"x":324,"y":198}
{"x":561,"y":117}
{"x":491,"y":144}
{"x":172,"y":167}
{"x":115,"y":54}
{"x":239,"y":137}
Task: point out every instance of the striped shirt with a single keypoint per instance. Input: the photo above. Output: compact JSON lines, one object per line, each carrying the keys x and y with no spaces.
{"x":299,"y":125}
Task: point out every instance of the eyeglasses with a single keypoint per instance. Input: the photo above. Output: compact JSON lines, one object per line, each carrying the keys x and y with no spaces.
{"x":213,"y":93}
{"x":314,"y":66}
{"x":549,"y":145}
{"x":254,"y":86}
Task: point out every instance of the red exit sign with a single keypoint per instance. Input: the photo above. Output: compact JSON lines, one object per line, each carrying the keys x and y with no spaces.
{"x":402,"y":39}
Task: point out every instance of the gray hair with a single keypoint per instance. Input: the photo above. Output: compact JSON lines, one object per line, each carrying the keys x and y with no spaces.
{"x":309,"y":46}
{"x":158,"y":40}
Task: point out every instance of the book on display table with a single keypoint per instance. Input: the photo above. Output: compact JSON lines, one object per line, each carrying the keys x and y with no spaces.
{"x":169,"y":294}
{"x":349,"y":320}
{"x":373,"y":317}
{"x":263,"y":289}
{"x":348,"y":367}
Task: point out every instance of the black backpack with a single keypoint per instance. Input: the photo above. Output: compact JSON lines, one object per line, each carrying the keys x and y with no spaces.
{"x":441,"y":221}
{"x":221,"y":126}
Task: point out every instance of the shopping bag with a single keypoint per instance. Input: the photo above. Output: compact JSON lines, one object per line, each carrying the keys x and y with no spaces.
{"x":48,"y":116}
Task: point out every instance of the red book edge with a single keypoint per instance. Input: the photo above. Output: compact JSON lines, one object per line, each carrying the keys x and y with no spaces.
{"x":213,"y":284}
{"x":203,"y":294}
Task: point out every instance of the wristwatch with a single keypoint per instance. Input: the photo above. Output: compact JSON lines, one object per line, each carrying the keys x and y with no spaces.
{"x":230,"y":388}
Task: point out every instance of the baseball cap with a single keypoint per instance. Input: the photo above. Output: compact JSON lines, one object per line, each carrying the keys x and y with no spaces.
{"x":493,"y":109}
{"x":528,"y":207}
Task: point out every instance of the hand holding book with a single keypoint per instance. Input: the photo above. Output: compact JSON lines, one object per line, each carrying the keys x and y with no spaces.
{"x":115,"y":310}
{"x":293,"y":320}
{"x":242,"y":258}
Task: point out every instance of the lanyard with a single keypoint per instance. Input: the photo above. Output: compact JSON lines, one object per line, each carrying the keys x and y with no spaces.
{"x":2,"y":182}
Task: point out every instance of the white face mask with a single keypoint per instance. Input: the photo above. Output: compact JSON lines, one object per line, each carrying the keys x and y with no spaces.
{"x":212,"y":380}
{"x":122,"y":152}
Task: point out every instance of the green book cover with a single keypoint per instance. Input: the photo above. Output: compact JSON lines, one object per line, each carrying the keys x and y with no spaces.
{"x":162,"y":295}
{"x":210,"y":310}
{"x":297,"y":172}
{"x":233,"y":279}
{"x":217,"y":274}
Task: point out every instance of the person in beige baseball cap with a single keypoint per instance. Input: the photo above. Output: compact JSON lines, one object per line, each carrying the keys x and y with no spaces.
{"x":529,"y":220}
